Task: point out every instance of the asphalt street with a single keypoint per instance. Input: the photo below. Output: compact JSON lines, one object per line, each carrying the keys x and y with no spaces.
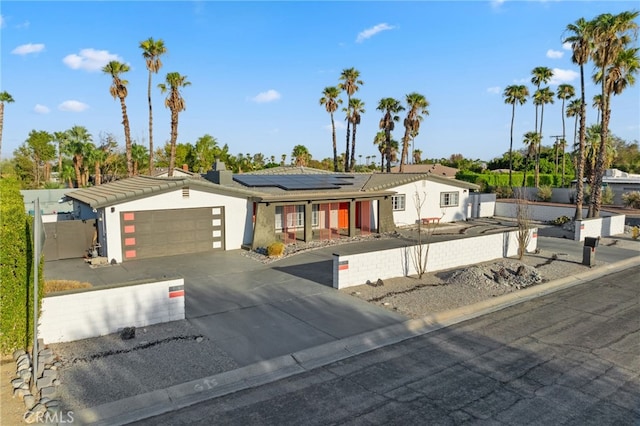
{"x":571,"y":357}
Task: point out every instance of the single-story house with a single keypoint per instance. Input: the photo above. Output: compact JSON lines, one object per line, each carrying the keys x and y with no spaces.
{"x":143,"y":216}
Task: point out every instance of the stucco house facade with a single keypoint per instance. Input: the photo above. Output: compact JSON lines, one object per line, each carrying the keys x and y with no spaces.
{"x":144,"y":217}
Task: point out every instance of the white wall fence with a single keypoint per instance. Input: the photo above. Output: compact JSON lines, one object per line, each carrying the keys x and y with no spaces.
{"x":605,"y":226}
{"x":97,"y":312}
{"x":357,"y":269}
{"x":482,"y":205}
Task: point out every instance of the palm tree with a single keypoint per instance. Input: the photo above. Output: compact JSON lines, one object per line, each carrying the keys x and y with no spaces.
{"x":391,"y":107}
{"x":62,"y":139}
{"x":581,"y":50}
{"x":417,"y":156}
{"x":564,"y":92}
{"x":597,"y":105}
{"x":331,"y":101}
{"x":151,"y":52}
{"x":350,"y":84}
{"x":300,"y":155}
{"x":540,"y":98}
{"x":531,"y":140}
{"x":417,"y":105}
{"x":96,"y":156}
{"x":573,"y":110}
{"x":79,"y":140}
{"x":139,"y":155}
{"x":616,"y":65}
{"x":357,"y":108}
{"x":514,"y":94}
{"x":4,"y":97}
{"x":380,"y":141}
{"x":176,"y":104}
{"x":66,"y":175}
{"x":541,"y":75}
{"x":119,"y":90}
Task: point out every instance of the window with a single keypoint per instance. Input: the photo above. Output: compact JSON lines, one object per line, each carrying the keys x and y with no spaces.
{"x":448,"y":199}
{"x":294,"y":217}
{"x":397,"y":201}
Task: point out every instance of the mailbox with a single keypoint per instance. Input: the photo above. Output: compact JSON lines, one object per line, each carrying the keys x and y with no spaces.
{"x":591,"y":242}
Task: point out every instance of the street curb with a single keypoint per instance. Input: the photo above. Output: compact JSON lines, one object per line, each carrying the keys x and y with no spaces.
{"x":150,"y":404}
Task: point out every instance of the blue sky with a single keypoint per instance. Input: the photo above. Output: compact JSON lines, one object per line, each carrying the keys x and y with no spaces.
{"x":257,"y":70}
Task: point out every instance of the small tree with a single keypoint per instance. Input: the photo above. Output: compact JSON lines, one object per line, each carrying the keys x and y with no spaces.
{"x":524,"y":222}
{"x":420,"y":250}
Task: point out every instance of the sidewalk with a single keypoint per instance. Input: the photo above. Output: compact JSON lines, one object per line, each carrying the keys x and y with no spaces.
{"x":284,"y":299}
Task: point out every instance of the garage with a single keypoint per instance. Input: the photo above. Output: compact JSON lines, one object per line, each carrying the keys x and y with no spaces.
{"x":155,"y":233}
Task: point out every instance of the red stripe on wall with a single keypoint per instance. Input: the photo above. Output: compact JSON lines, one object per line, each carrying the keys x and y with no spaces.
{"x":130,"y":241}
{"x":129,"y":229}
{"x":130,"y":254}
{"x":343,"y":267}
{"x":129,"y":216}
{"x":176,"y":294}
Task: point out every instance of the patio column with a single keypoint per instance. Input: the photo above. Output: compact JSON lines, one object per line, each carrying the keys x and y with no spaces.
{"x":264,"y":231}
{"x":352,"y":218}
{"x":385,"y":215}
{"x":308,"y":226}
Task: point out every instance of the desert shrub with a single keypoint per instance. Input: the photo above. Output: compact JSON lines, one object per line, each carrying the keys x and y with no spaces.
{"x":62,"y":285}
{"x":631,"y":199}
{"x":504,"y":192}
{"x":561,"y":220}
{"x":607,"y":195}
{"x":544,"y":193}
{"x":275,"y":249}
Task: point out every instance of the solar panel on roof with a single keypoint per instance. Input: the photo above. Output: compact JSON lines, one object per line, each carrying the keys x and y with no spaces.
{"x":295,"y":182}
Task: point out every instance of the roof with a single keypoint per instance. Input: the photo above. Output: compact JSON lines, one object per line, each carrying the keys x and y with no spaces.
{"x":362,"y":185}
{"x":434,"y":169}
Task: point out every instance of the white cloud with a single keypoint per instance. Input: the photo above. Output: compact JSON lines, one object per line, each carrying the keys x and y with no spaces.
{"x":90,"y":59}
{"x":2,"y":21}
{"x":563,"y":76}
{"x":554,"y":54}
{"x":73,"y":106}
{"x":370,"y":32}
{"x":494,"y":90}
{"x":268,"y":96}
{"x":41,"y":109}
{"x":339,"y":125}
{"x":26,"y":49}
{"x":567,"y":46}
{"x":497,"y":3}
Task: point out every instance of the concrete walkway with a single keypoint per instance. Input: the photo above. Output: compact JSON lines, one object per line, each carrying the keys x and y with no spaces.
{"x":247,"y":308}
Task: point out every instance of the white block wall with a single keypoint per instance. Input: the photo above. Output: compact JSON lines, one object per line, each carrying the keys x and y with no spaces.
{"x":542,"y":213}
{"x":596,"y":227}
{"x":357,"y":269}
{"x":93,"y":313}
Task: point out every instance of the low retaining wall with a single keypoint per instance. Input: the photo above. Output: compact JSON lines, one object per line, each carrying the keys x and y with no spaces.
{"x":538,"y":212}
{"x":97,"y":312}
{"x":356,"y":269}
{"x":603,"y":226}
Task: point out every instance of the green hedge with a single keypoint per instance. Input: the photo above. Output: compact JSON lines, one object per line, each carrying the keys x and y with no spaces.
{"x":492,"y":180}
{"x":16,"y":270}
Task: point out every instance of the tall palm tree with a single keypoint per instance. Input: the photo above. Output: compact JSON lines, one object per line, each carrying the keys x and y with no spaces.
{"x":513,"y":95}
{"x":564,"y":92}
{"x":541,"y":98}
{"x":573,"y":110}
{"x":616,"y":64}
{"x":119,"y":90}
{"x":357,"y":109}
{"x":417,"y":156}
{"x":579,"y":38}
{"x":79,"y":140}
{"x":597,"y":105}
{"x":380,"y":141}
{"x":152,"y":50}
{"x":139,"y":156}
{"x":390,"y":107}
{"x":417,"y":108}
{"x":331,"y":101}
{"x":541,"y":75}
{"x":176,"y":104}
{"x":5,"y":97}
{"x":531,"y":140}
{"x":350,"y":84}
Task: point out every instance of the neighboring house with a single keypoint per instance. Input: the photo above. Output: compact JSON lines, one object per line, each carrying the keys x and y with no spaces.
{"x":177,"y":171}
{"x":620,"y":183}
{"x":51,"y":201}
{"x":143,"y":217}
{"x":434,"y":169}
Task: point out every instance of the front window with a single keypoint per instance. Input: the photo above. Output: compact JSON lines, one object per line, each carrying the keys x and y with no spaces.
{"x":448,"y":199}
{"x":293,"y":216}
{"x":397,"y":201}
